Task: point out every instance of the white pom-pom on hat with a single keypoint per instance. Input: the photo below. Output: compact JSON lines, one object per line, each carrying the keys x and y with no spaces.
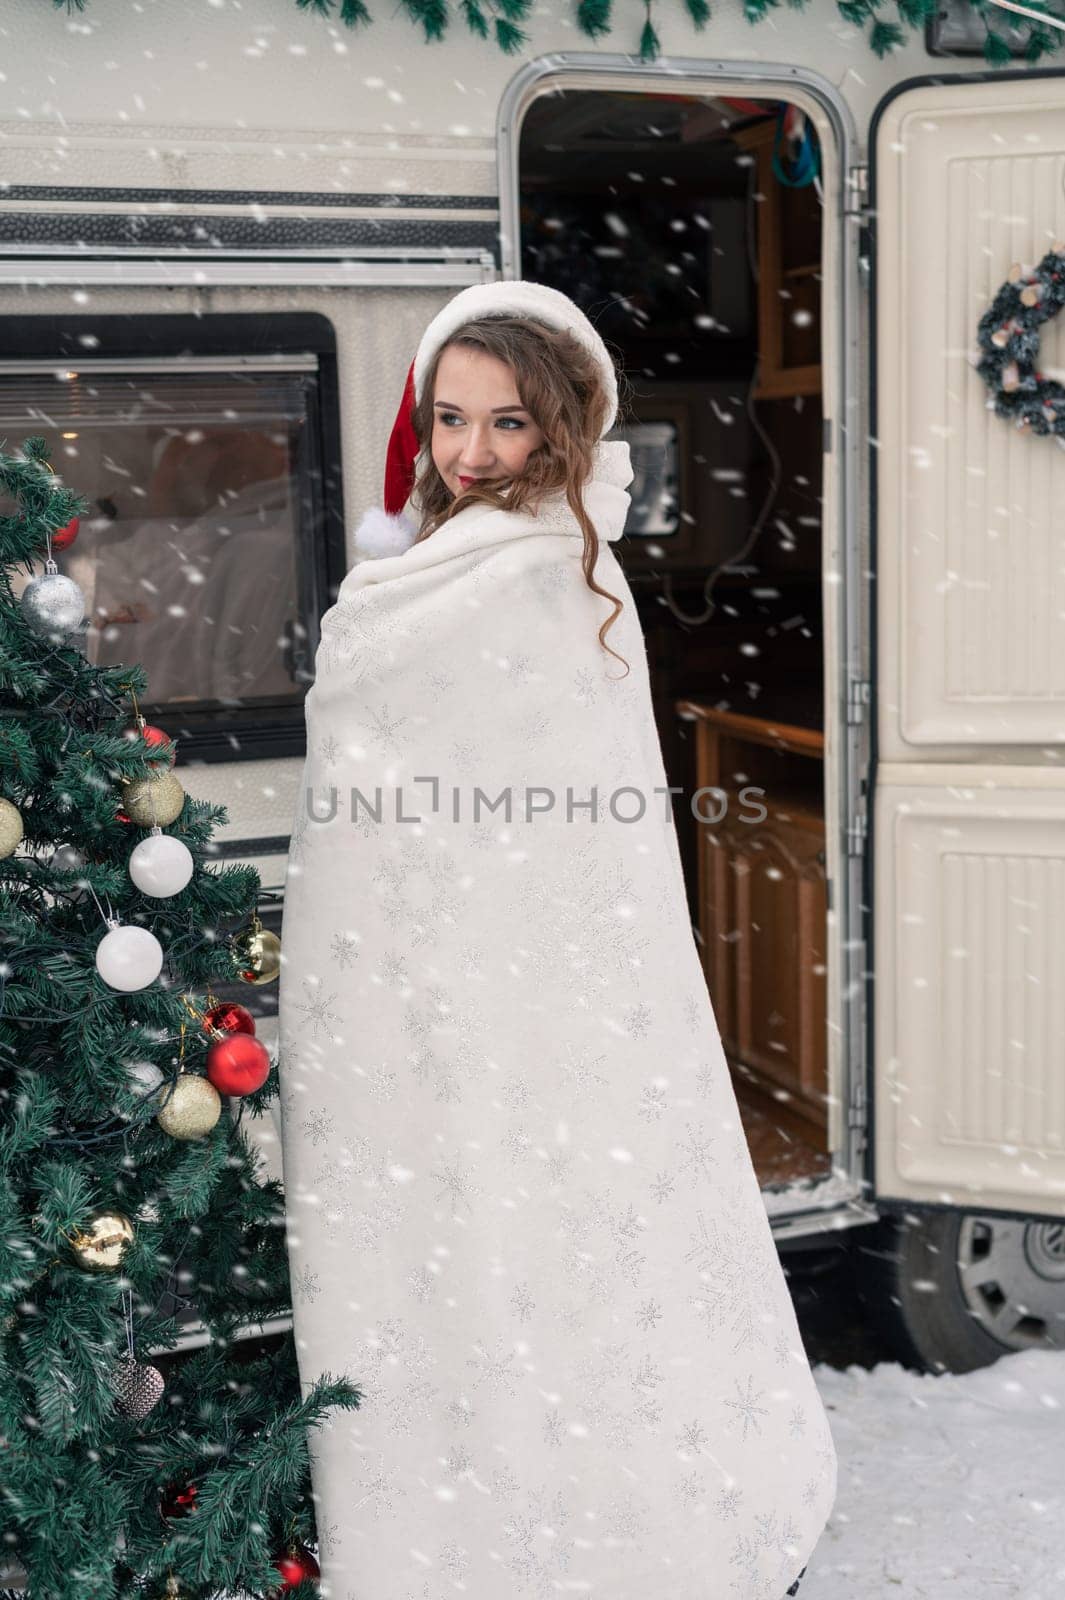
{"x":379,"y":534}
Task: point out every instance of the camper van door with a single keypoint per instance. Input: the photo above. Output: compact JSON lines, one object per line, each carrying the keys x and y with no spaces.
{"x":969,"y":796}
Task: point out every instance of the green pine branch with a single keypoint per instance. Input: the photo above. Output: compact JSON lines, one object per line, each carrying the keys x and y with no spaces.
{"x":82,"y":1481}
{"x":502,"y":20}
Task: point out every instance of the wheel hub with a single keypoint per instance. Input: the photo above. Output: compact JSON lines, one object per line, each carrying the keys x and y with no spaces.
{"x":1012,"y":1274}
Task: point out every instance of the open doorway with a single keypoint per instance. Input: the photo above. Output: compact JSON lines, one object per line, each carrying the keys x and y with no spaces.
{"x":690,"y":228}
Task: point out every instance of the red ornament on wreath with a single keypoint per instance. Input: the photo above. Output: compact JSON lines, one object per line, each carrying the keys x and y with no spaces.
{"x":63,"y":538}
{"x":177,"y":1500}
{"x":238,"y":1063}
{"x":295,"y":1566}
{"x":228,"y":1017}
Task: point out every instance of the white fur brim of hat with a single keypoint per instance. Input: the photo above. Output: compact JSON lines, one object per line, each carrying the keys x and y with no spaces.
{"x":521,"y":299}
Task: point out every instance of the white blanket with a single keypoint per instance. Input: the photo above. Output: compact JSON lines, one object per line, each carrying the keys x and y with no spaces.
{"x":522,"y":1212}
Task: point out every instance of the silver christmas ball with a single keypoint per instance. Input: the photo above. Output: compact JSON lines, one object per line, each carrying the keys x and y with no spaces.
{"x":53,"y":605}
{"x":138,"y":1388}
{"x":11,"y":829}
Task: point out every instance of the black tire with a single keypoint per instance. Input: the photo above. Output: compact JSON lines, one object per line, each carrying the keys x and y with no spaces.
{"x":952,"y":1291}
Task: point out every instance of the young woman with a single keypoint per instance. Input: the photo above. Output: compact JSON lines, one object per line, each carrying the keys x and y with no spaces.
{"x":522,"y":1212}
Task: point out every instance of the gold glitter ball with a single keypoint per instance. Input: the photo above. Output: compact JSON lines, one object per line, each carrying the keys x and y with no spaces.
{"x":190,"y":1109}
{"x":11,"y":829}
{"x":153,"y":801}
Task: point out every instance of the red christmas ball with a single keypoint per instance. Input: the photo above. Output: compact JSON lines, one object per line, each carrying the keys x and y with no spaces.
{"x":229,"y":1018}
{"x":153,"y":736}
{"x":296,"y":1566}
{"x":238,"y":1064}
{"x":177,"y":1499}
{"x":65,"y":536}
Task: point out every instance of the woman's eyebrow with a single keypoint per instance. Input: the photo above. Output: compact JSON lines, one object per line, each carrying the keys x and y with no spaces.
{"x":496,"y":410}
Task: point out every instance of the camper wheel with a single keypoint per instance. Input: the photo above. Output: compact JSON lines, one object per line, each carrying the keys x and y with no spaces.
{"x":955,"y":1290}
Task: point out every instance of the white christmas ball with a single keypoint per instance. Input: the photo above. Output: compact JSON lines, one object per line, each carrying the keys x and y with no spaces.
{"x":53,"y":605}
{"x":144,"y":1078}
{"x":161,"y":865}
{"x":129,"y":958}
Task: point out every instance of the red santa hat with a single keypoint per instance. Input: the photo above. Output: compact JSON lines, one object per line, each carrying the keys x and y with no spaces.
{"x":506,"y":297}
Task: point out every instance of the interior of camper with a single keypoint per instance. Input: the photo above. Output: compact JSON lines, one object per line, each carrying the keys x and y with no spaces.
{"x":690,"y":229}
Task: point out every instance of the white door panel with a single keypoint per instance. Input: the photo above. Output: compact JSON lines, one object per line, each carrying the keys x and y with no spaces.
{"x":970,"y":976}
{"x":969,"y":793}
{"x":970,"y":511}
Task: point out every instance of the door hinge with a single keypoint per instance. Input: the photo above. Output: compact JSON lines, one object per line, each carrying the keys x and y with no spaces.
{"x":857,"y":1109}
{"x":856,"y":201}
{"x":857,"y":833}
{"x":858,"y":694}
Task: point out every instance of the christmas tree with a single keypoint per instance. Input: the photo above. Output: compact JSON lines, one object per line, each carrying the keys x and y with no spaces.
{"x":129,"y":1194}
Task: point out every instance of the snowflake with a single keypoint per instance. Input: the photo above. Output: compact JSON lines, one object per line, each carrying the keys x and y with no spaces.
{"x":495,"y":1368}
{"x":306,"y":1284}
{"x":318,"y":1128}
{"x":386,"y":730}
{"x":663,"y":1186}
{"x":728,"y":1502}
{"x":648,"y":1314}
{"x":747,"y":1408}
{"x":638,"y":1020}
{"x":692,"y":1436}
{"x":344,"y":949}
{"x":696,"y":1152}
{"x":652,"y":1103}
{"x":584,"y":689}
{"x":316,"y":1008}
{"x":456,"y":1183}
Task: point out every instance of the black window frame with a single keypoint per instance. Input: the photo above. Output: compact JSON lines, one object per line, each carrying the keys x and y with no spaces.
{"x":228,"y":733}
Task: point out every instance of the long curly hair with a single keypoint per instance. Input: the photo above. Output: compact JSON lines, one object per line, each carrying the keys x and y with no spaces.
{"x":559,"y":385}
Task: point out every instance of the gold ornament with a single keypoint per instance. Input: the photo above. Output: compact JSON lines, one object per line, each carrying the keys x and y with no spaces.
{"x":11,"y":829}
{"x":258,"y":954}
{"x":190,"y":1109}
{"x":151,"y":802}
{"x":101,"y":1244}
{"x":1031,"y":296}
{"x":174,"y":1591}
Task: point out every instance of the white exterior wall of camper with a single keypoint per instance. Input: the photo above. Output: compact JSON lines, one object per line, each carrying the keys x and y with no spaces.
{"x":279,"y":163}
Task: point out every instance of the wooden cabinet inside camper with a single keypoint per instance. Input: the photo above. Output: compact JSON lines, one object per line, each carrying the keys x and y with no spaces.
{"x":789,"y":273}
{"x":762,"y":904}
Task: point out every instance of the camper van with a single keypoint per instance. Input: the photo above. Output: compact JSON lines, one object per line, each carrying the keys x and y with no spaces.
{"x":219,"y":243}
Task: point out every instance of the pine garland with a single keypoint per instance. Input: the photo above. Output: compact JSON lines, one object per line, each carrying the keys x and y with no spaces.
{"x":503,"y":19}
{"x":1008,"y":335}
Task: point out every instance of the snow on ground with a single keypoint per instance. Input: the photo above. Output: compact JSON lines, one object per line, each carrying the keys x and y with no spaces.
{"x":950,"y":1486}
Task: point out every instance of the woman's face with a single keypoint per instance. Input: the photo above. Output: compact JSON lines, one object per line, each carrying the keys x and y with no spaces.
{"x":480,"y":427}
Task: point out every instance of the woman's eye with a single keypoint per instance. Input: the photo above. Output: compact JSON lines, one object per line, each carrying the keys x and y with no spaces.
{"x":449,"y":417}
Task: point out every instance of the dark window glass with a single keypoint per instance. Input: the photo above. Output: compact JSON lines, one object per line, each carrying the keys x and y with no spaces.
{"x":197,"y":555}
